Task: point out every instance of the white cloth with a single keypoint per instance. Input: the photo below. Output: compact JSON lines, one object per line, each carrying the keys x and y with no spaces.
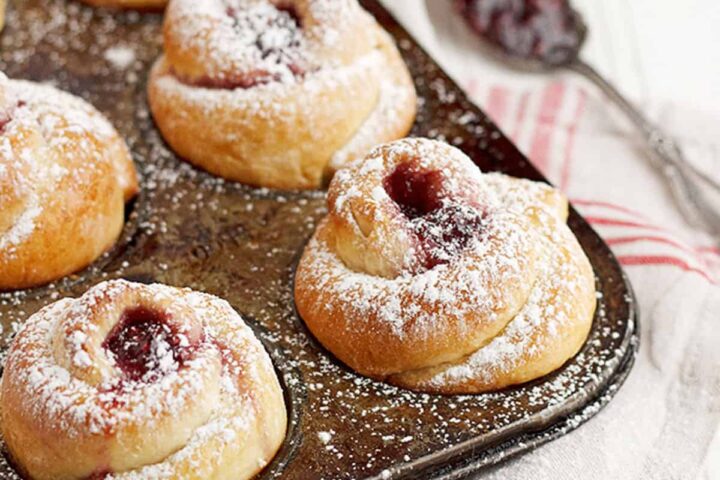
{"x":663,"y":424}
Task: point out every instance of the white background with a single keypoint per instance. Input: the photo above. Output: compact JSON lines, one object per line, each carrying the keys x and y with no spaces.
{"x":658,"y":50}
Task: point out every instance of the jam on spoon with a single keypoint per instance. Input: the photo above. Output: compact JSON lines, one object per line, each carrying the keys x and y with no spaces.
{"x":546,"y":30}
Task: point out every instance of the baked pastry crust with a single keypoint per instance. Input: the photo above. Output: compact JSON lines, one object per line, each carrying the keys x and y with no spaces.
{"x":139,"y":381}
{"x":479,"y":287}
{"x":285,"y":114}
{"x":65,"y":175}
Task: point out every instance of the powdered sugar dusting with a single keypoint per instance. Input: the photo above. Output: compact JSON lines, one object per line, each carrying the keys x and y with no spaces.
{"x":82,"y":405}
{"x":321,"y":69}
{"x":23,"y":227}
{"x":43,"y":125}
{"x":121,"y":57}
{"x":491,"y":266}
{"x":360,"y":198}
{"x":558,"y":301}
{"x":262,"y":42}
{"x":262,"y":100}
{"x":369,"y":298}
{"x":244,"y":43}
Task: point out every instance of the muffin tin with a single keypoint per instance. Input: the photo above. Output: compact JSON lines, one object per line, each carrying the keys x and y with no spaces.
{"x":190,"y":229}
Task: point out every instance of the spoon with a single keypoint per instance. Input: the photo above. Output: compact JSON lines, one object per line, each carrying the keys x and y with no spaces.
{"x":544,"y":35}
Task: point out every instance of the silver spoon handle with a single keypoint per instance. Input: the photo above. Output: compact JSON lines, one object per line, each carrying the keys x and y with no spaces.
{"x":666,"y":155}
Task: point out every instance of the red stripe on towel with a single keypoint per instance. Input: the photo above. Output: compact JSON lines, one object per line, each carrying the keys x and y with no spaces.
{"x":547,"y":116}
{"x":497,"y":104}
{"x":654,"y":260}
{"x":569,"y":147}
{"x":520,"y":116}
{"x":697,"y":251}
{"x":613,"y":222}
{"x":611,"y":206}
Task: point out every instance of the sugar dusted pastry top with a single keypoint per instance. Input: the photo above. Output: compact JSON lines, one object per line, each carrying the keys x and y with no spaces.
{"x":228,"y":44}
{"x":423,"y":262}
{"x":278,"y":94}
{"x":65,"y":175}
{"x":140,"y":381}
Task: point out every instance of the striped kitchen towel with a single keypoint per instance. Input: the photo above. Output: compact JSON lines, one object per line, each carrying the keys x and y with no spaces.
{"x":555,"y":125}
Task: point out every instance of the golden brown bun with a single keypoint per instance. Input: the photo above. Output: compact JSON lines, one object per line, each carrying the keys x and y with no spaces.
{"x":286,"y":117}
{"x":65,"y":175}
{"x":433,"y":276}
{"x":3,"y":6}
{"x":134,"y":4}
{"x":140,"y":381}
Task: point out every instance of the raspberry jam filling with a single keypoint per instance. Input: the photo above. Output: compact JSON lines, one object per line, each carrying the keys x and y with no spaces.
{"x":442,"y":226}
{"x":415,"y":191}
{"x":544,"y":29}
{"x":270,"y":38}
{"x":144,"y":346}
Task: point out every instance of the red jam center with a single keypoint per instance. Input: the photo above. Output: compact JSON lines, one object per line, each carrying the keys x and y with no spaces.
{"x":144,"y":346}
{"x":442,"y":226}
{"x":543,"y":29}
{"x":415,"y":191}
{"x":271,"y":35}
